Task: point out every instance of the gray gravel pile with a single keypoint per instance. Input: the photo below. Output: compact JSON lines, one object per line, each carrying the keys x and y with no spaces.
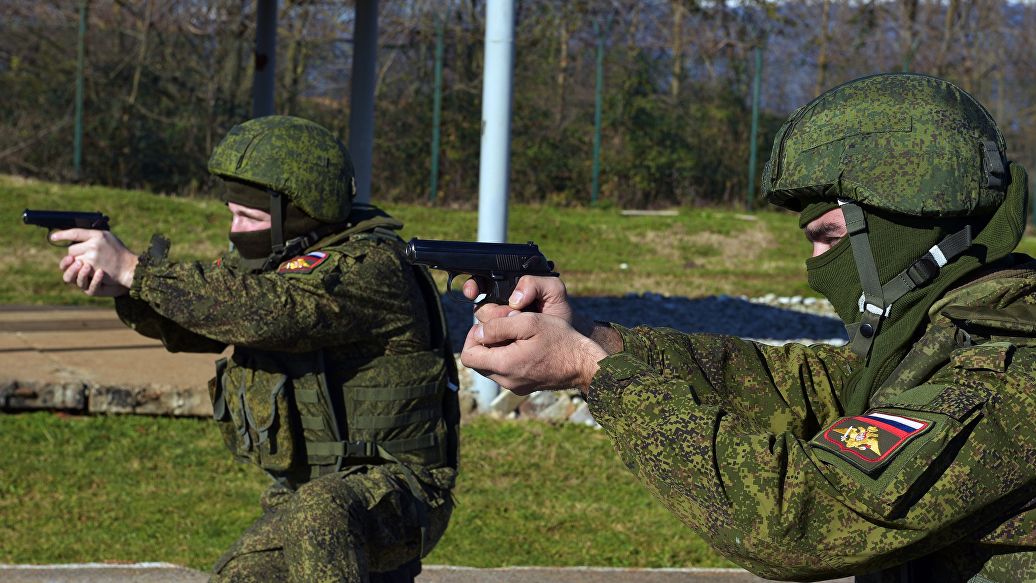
{"x":771,"y":319}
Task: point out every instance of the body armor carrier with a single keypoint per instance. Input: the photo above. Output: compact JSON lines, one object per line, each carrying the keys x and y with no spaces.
{"x":292,"y":416}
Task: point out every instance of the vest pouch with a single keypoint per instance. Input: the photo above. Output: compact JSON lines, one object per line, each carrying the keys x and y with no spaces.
{"x":221,"y":402}
{"x":258,"y":403}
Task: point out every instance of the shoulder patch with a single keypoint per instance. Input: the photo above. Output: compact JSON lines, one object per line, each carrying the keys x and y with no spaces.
{"x":303,"y":263}
{"x":870,"y":441}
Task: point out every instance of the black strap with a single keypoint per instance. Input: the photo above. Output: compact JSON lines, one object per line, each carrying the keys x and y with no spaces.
{"x":873,"y":298}
{"x":992,"y":165}
{"x":369,"y":449}
{"x":877,"y":299}
{"x":276,"y":221}
{"x":927,"y":268}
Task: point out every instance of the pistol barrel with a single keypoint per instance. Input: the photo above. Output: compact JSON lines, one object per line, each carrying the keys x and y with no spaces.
{"x":476,"y":258}
{"x":65,"y":219}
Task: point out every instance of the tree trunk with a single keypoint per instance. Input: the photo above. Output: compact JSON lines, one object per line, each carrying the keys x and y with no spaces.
{"x":947,"y":37}
{"x":909,"y":45}
{"x":676,"y":49}
{"x":562,"y":75}
{"x":822,"y":64}
{"x":145,"y":27}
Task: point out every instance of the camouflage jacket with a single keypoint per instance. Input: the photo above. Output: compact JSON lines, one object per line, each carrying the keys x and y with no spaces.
{"x":750,"y":445}
{"x":354,"y":301}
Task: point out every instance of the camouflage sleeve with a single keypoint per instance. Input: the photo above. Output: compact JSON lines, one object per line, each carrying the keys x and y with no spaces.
{"x":139,"y":316}
{"x":792,"y":507}
{"x":791,"y":388}
{"x":357,"y":290}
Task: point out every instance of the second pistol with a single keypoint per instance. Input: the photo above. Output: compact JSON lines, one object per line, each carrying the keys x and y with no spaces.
{"x":495,"y":267}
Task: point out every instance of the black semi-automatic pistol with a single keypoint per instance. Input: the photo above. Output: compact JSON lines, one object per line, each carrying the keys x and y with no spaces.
{"x":61,"y":220}
{"x":495,"y":267}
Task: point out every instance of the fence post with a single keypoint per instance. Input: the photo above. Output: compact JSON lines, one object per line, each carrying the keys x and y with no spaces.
{"x":753,"y":146}
{"x":77,"y":140}
{"x":595,"y":185}
{"x":433,"y":187}
{"x":263,"y":77}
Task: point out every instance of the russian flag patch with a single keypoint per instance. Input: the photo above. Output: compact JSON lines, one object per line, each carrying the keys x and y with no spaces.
{"x":303,"y":263}
{"x":871,"y":440}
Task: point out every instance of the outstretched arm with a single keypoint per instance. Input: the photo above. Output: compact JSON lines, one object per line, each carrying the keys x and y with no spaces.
{"x":797,"y":500}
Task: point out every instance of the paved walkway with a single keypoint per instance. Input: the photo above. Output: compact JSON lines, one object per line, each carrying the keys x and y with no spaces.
{"x":86,"y":359}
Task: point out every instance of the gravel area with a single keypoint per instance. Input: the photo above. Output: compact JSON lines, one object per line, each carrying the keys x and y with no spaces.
{"x":771,"y":319}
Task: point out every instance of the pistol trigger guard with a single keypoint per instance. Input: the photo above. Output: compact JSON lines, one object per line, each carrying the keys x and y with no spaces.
{"x":62,"y":245}
{"x":459,"y":296}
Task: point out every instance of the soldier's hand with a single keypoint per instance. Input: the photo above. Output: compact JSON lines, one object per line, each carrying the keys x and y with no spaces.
{"x":528,"y":352}
{"x":545,"y":295}
{"x":93,"y":282}
{"x":104,"y":253}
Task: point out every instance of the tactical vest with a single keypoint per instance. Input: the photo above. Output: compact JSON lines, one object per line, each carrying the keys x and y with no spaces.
{"x":295,"y":418}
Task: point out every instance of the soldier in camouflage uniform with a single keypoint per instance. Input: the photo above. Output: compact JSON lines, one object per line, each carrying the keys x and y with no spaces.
{"x":341,"y":384}
{"x":907,"y":455}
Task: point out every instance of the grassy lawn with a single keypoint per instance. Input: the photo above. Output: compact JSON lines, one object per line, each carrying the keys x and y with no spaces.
{"x":76,"y":489}
{"x":598,"y":251}
{"x":699,"y":252}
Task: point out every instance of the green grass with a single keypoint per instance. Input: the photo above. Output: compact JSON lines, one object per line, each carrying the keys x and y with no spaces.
{"x":76,"y":489}
{"x":699,"y":252}
{"x":598,"y":251}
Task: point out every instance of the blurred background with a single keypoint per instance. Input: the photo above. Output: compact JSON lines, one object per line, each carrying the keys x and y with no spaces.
{"x":163,"y":80}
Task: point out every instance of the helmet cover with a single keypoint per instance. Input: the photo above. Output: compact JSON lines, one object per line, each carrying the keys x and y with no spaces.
{"x":292,"y":156}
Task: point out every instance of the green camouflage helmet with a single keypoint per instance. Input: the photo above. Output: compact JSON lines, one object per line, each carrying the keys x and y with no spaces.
{"x":906,"y":143}
{"x":292,"y":156}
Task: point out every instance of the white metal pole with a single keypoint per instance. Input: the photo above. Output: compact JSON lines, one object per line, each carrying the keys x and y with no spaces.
{"x":361,"y":97}
{"x":494,"y":160}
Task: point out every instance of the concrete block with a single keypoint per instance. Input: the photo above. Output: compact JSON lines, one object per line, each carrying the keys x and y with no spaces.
{"x":29,"y":395}
{"x":151,"y":400}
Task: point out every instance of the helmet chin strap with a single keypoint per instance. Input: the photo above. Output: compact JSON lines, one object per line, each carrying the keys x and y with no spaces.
{"x":876,"y":301}
{"x":276,"y":222}
{"x":279,"y":248}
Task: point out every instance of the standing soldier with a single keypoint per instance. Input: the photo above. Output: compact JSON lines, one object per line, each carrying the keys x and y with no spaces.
{"x":341,"y":385}
{"x":908,"y":455}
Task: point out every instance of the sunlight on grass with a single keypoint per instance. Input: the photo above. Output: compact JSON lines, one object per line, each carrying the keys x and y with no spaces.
{"x":82,"y":489}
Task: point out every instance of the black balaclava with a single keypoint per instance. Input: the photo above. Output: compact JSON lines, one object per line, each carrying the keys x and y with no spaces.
{"x":255,"y":247}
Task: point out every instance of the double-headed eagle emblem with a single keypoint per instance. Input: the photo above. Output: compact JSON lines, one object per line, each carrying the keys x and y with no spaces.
{"x":860,"y":438}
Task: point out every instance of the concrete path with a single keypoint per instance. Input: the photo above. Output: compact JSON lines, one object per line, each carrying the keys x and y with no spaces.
{"x":85,"y":359}
{"x":165,"y":573}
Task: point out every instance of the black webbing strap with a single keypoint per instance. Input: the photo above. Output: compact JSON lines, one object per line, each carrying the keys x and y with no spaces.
{"x":877,"y":299}
{"x":873,"y":299}
{"x":376,"y":422}
{"x":926,"y":269}
{"x":994,"y":173}
{"x":369,"y":449}
{"x":395,"y":393}
{"x":276,"y":221}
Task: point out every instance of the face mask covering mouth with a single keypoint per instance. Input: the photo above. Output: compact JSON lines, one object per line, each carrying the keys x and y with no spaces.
{"x":252,"y":244}
{"x":833,"y":275}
